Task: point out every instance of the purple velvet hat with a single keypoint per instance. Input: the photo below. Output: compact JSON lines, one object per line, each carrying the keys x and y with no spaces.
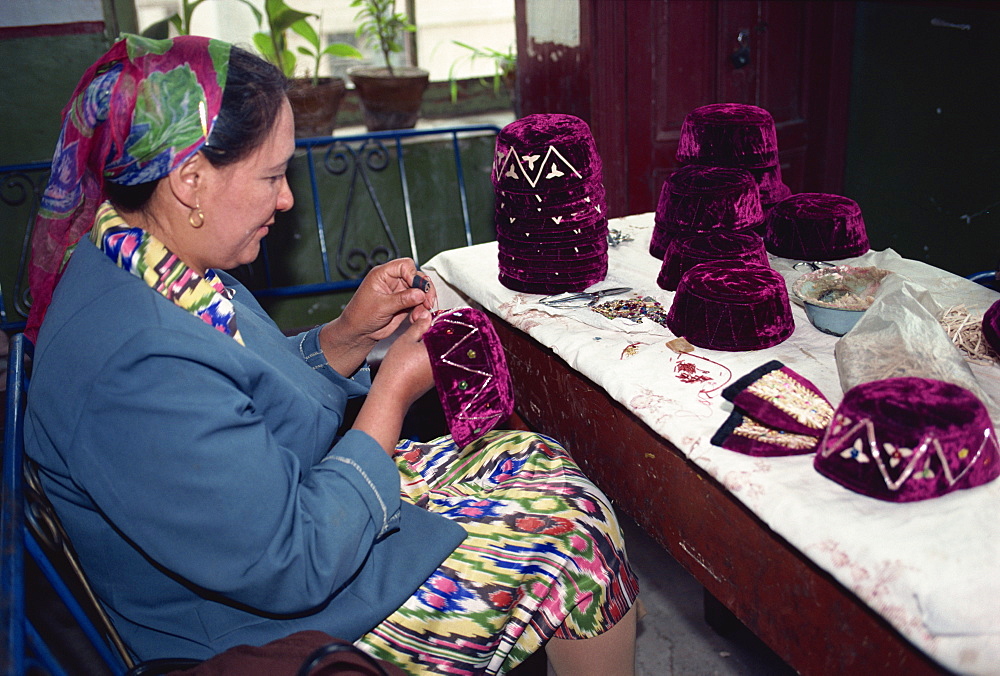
{"x":470,"y":372}
{"x":683,"y":253}
{"x":769,"y":183}
{"x":545,"y":152}
{"x":814,"y":226}
{"x":991,"y":327}
{"x":728,"y":135}
{"x":550,"y":209}
{"x":696,"y":199}
{"x":908,"y":439}
{"x":732,"y":306}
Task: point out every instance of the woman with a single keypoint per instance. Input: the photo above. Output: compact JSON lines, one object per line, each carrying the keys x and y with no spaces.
{"x":192,"y":450}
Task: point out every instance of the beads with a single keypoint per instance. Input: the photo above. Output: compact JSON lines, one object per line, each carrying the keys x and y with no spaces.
{"x":633,"y":309}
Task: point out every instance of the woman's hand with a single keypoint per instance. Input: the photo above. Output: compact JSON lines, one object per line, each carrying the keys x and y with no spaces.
{"x":405,"y":374}
{"x":384,"y":299}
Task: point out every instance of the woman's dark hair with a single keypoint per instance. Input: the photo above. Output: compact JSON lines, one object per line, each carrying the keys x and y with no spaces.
{"x":251,"y":100}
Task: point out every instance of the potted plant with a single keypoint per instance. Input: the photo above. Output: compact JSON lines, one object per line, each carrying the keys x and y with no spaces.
{"x":390,"y":96}
{"x":315,"y":100}
{"x":504,"y":71}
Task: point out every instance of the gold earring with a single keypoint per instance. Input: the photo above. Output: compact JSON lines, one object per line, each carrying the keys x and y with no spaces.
{"x":196,"y":212}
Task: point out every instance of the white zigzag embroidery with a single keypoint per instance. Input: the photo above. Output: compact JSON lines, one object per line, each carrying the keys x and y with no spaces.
{"x":488,"y":376}
{"x":831,"y":445}
{"x":554,"y":172}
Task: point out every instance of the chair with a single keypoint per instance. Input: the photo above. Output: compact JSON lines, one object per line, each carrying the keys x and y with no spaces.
{"x":50,"y":618}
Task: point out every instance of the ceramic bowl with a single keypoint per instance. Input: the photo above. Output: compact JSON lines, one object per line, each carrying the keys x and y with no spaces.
{"x":835,"y":298}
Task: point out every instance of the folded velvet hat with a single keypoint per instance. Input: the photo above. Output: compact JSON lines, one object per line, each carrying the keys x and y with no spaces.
{"x":732,"y":306}
{"x":991,"y":327}
{"x":908,"y":439}
{"x":776,"y":412}
{"x":696,"y":199}
{"x":816,"y":227}
{"x":470,"y":372}
{"x":550,"y":207}
{"x":683,"y":253}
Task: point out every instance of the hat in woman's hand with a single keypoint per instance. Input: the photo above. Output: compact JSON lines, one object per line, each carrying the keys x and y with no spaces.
{"x":470,"y":372}
{"x":908,"y":439}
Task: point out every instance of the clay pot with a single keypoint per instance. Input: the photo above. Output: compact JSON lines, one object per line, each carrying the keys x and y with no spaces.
{"x":389,"y":101}
{"x":315,"y":106}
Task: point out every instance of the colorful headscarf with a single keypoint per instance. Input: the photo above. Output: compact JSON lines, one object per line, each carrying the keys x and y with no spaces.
{"x":139,"y":112}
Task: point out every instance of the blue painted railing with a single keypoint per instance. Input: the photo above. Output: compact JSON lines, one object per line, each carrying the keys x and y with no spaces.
{"x":372,"y":176}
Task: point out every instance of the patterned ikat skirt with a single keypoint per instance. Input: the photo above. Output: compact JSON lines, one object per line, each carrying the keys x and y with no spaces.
{"x":544,"y":557}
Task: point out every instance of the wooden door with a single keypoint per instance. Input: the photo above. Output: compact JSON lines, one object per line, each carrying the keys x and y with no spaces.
{"x":642,"y":65}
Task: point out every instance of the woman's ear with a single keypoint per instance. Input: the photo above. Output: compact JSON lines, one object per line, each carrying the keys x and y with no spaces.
{"x":186,"y":180}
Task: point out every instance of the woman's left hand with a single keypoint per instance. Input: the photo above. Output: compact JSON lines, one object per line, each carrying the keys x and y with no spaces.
{"x":378,"y":307}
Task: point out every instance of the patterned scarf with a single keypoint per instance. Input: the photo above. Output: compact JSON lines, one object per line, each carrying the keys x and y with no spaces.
{"x":142,"y":254}
{"x":137,"y":114}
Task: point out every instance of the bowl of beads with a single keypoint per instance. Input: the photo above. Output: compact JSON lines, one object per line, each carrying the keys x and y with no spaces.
{"x":835,"y":298}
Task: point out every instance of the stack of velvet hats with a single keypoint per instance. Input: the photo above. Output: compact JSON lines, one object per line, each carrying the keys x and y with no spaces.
{"x":551,"y":213}
{"x":699,"y":199}
{"x":735,"y":135}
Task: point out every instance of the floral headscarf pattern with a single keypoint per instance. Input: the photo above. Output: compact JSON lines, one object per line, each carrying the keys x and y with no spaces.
{"x":137,"y":114}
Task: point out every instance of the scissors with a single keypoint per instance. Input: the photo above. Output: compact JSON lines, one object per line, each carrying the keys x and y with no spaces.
{"x":812,"y":265}
{"x":584,"y":298}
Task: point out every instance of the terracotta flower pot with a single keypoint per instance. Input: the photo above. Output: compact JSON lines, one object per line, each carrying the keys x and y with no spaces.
{"x":389,"y":102}
{"x":315,"y":106}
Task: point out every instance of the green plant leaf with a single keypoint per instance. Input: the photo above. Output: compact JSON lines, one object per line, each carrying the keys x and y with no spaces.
{"x":342,"y":50}
{"x":281,"y":17}
{"x":303,"y":28}
{"x":262,"y":41}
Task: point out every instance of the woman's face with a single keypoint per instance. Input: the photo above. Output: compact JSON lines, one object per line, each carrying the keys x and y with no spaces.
{"x":240,"y":200}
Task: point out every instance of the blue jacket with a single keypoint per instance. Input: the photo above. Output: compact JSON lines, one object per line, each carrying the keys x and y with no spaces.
{"x":203,"y":483}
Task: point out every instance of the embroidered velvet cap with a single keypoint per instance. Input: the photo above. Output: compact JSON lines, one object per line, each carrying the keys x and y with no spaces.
{"x":816,"y":227}
{"x":545,"y":153}
{"x":683,"y":253}
{"x":991,"y":326}
{"x":732,"y":306}
{"x":470,"y":372}
{"x":696,"y":199}
{"x":550,"y":214}
{"x":728,"y":135}
{"x":908,"y":439}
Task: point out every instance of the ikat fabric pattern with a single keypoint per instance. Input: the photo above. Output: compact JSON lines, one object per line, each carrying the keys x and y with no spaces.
{"x":140,"y":253}
{"x":544,"y":557}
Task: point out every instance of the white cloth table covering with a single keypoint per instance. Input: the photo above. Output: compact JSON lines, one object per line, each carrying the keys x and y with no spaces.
{"x":930,"y":568}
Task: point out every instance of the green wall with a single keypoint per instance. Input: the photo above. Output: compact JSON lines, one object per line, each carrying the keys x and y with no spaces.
{"x":38,"y":74}
{"x":923,"y":156}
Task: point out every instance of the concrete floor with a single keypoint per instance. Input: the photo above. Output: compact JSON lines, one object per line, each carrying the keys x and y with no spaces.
{"x":674,"y":638}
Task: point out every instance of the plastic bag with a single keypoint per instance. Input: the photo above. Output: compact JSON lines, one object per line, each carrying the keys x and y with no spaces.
{"x":899,"y":335}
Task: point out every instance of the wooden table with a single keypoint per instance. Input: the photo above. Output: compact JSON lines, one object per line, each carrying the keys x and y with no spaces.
{"x":809,"y":619}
